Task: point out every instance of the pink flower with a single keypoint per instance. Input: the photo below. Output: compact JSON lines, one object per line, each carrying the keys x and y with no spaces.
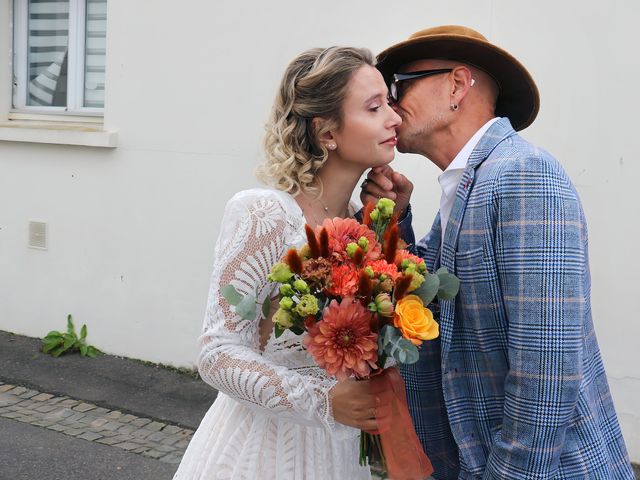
{"x":343,"y":231}
{"x":342,"y":342}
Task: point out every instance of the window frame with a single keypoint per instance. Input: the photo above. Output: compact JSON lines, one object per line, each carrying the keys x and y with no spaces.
{"x":75,"y":63}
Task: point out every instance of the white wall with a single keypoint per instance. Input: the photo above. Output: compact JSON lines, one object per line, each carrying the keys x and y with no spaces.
{"x":132,"y":229}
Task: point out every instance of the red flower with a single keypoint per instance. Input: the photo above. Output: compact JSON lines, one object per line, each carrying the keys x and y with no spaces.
{"x":405,"y":255}
{"x":342,"y":342}
{"x":380,"y":267}
{"x":343,"y":231}
{"x":344,"y":280}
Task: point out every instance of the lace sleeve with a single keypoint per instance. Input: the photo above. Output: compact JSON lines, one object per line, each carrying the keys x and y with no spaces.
{"x":253,"y":238}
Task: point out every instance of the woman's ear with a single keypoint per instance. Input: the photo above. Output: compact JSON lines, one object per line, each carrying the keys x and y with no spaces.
{"x":325,"y":137}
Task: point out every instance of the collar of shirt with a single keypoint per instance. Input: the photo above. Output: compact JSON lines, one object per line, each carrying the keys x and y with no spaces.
{"x":450,"y":178}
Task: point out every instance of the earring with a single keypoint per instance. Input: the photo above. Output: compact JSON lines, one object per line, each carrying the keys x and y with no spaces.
{"x":454,"y":106}
{"x":331,"y":146}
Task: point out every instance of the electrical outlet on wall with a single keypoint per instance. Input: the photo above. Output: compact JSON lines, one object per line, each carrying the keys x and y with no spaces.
{"x":38,"y":235}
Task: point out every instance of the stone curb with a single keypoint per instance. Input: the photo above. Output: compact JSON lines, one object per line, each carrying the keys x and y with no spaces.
{"x":70,"y":416}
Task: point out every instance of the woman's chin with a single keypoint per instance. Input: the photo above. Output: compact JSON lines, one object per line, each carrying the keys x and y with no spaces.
{"x":386,"y":159}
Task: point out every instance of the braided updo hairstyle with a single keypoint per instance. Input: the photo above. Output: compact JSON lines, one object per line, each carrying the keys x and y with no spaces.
{"x":314,"y":86}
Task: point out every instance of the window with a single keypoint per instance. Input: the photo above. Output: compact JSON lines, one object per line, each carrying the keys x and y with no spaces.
{"x":59,"y":56}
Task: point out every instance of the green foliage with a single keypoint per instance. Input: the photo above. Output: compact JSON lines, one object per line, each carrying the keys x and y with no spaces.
{"x":429,"y":289}
{"x":449,"y":284}
{"x":278,"y":330}
{"x":56,"y":343}
{"x":393,"y":344}
{"x":245,"y":305}
{"x":442,"y":283}
{"x":246,"y":309}
{"x":266,"y":307}
{"x":230,"y":293}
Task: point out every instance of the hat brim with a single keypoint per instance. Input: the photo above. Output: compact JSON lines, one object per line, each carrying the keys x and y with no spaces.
{"x":518,"y":98}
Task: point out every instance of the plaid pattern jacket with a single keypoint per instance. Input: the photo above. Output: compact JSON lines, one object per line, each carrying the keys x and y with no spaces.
{"x":515,"y":387}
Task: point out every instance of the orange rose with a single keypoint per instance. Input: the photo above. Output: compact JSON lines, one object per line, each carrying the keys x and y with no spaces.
{"x":414,"y":320}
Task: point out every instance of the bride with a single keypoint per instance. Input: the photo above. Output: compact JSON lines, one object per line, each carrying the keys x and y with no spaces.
{"x":278,"y":415}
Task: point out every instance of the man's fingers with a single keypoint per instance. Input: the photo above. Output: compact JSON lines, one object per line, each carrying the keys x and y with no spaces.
{"x":378,"y":185}
{"x":402,"y":183}
{"x":374,"y":190}
{"x":380,"y":179}
{"x":384,"y":170}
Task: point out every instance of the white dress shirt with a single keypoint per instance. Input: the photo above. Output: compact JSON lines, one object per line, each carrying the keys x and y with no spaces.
{"x":450,"y":178}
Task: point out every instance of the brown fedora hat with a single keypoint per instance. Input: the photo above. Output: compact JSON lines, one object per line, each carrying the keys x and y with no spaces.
{"x":518,"y":98}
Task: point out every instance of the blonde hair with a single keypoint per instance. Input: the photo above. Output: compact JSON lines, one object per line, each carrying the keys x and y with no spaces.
{"x":314,"y":85}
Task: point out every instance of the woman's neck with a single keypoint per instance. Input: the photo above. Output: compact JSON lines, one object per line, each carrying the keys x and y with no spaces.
{"x":338,"y":184}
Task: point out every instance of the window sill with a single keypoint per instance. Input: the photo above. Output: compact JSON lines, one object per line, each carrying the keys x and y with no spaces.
{"x":59,"y":133}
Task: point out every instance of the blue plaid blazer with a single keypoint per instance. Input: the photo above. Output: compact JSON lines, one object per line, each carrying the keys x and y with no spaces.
{"x":515,"y":387}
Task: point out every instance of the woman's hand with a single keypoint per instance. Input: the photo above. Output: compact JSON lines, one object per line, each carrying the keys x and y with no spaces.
{"x":360,"y":404}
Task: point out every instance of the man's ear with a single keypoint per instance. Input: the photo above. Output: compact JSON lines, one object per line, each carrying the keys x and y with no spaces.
{"x":462,"y":82}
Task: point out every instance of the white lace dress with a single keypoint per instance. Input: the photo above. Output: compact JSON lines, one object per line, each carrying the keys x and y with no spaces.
{"x":272,"y":418}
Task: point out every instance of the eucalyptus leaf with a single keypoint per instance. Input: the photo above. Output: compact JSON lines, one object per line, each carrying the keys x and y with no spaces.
{"x":449,"y":285}
{"x":428,"y":289}
{"x":231,"y":295}
{"x":266,"y":307}
{"x":409,"y":352}
{"x":398,"y":347}
{"x":246,"y":309}
{"x":401,"y":356}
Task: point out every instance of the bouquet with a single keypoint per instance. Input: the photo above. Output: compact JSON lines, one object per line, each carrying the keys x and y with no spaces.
{"x":361,"y":298}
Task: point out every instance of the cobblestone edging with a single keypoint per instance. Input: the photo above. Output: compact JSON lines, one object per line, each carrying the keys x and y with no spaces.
{"x":76,"y":418}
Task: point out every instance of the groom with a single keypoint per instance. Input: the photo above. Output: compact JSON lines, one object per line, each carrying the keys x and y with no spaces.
{"x":515,"y":387}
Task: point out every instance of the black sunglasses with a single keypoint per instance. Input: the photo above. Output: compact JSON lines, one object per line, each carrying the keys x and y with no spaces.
{"x":395,"y":91}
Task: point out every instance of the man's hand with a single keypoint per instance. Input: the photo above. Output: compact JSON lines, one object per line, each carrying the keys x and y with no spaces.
{"x":385,"y":182}
{"x":361,"y":404}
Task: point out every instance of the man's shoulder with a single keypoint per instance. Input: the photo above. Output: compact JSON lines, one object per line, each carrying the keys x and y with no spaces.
{"x":516,"y":157}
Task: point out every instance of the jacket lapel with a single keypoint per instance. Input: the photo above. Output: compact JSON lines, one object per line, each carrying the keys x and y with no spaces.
{"x":499,"y":131}
{"x":429,"y":246}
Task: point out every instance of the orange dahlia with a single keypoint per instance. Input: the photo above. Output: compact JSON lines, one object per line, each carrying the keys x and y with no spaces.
{"x":342,"y":343}
{"x":343,"y":231}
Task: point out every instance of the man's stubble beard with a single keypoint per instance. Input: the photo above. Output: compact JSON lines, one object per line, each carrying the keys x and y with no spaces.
{"x":419,"y":141}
